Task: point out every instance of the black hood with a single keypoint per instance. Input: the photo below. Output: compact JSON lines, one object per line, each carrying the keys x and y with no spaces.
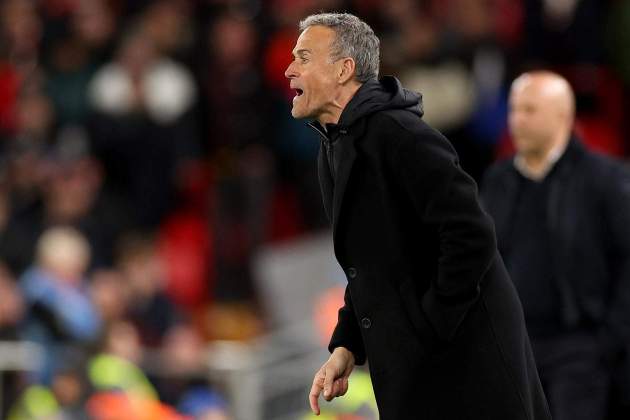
{"x":378,"y":95}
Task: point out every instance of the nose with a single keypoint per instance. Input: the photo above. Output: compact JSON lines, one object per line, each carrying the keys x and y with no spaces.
{"x":289,"y":73}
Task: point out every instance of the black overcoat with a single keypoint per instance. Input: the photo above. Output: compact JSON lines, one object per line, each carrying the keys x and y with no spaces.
{"x":428,"y":302}
{"x":588,"y":220}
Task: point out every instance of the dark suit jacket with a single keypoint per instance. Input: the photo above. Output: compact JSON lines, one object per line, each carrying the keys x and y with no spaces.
{"x":428,"y":301}
{"x":588,"y":215}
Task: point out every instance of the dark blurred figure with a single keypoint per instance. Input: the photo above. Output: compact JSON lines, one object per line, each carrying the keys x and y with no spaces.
{"x":81,"y":44}
{"x":122,"y":390}
{"x":564,"y":32}
{"x":143,"y":125}
{"x":183,"y":379}
{"x":109,"y":295}
{"x":11,"y":305}
{"x":149,"y":308}
{"x":115,"y":366}
{"x":168,"y":23}
{"x":21,"y":168}
{"x":239,"y":129}
{"x":63,"y":187}
{"x":21,"y":31}
{"x":570,"y":37}
{"x":63,"y":399}
{"x":12,"y":310}
{"x":562,"y":217}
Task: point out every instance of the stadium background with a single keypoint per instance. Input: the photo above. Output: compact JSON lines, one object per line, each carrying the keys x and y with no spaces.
{"x":163,"y":248}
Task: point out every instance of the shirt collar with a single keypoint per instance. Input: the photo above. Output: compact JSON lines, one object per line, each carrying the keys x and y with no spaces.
{"x":550,"y":160}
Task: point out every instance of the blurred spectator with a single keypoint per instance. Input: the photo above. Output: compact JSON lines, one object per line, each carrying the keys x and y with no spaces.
{"x":34,"y":116}
{"x":203,"y":404}
{"x":71,"y":389}
{"x":11,"y":305}
{"x":36,"y":402}
{"x":69,"y":182}
{"x":108,"y":293}
{"x":122,"y":406}
{"x":233,"y":85}
{"x":21,"y":162}
{"x":12,"y":311}
{"x":564,"y":32}
{"x":63,"y":400}
{"x":21,"y":30}
{"x":150,"y":309}
{"x":122,"y":389}
{"x":115,"y":366}
{"x":94,"y":23}
{"x":22,"y":148}
{"x":238,"y":124}
{"x":183,"y":381}
{"x":69,"y":71}
{"x":168,"y":24}
{"x":143,"y":126}
{"x":562,"y":219}
{"x":142,"y":80}
{"x":78,"y":42}
{"x":59,"y":312}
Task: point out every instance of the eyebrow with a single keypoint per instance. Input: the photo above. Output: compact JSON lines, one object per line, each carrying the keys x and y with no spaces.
{"x":301,"y":52}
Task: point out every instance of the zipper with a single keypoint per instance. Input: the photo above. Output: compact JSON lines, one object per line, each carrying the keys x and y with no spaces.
{"x":329,"y":149}
{"x":331,"y":158}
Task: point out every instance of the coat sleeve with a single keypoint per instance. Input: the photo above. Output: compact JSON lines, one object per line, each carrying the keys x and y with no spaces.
{"x":445,"y":198}
{"x":347,"y":333}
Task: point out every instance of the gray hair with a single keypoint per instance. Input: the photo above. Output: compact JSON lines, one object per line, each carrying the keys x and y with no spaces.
{"x":354,"y":38}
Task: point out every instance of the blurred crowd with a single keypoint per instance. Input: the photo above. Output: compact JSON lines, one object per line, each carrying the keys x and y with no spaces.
{"x":147,"y":151}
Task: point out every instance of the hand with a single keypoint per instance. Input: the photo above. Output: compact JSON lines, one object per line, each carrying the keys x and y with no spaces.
{"x":332,"y":377}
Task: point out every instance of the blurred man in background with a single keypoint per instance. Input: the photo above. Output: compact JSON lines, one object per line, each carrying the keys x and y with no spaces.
{"x":428,"y":300}
{"x":562,"y":216}
{"x":59,"y":310}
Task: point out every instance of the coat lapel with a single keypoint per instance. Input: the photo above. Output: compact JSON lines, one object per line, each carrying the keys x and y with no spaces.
{"x":347,"y":150}
{"x":325,"y":181}
{"x":348,"y":155}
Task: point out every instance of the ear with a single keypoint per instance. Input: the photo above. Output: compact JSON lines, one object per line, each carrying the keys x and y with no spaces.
{"x":346,"y":70}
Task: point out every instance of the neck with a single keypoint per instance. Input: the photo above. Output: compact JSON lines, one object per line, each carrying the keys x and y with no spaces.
{"x":338,"y":104}
{"x":538,"y":161}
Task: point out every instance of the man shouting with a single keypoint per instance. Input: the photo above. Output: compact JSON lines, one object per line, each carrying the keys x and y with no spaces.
{"x":428,"y":300}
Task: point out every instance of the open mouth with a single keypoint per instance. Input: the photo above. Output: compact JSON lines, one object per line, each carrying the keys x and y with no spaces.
{"x":299,"y":92}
